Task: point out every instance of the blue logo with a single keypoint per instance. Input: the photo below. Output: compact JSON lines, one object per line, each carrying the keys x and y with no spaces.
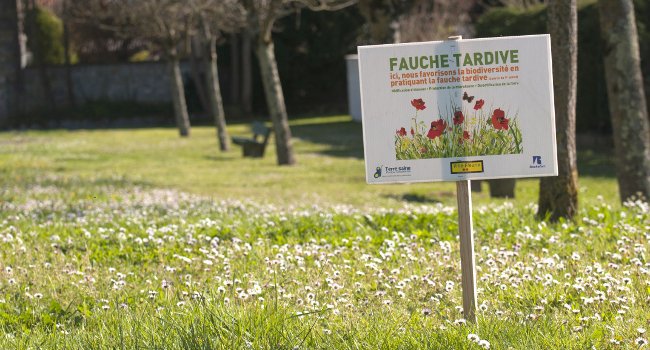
{"x":537,"y":162}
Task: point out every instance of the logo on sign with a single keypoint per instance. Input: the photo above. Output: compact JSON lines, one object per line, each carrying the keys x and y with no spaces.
{"x":537,"y":162}
{"x":467,"y":167}
{"x":392,"y":171}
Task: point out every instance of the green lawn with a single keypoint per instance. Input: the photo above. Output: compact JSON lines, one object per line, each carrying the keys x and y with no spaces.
{"x":137,"y":239}
{"x":329,"y":171}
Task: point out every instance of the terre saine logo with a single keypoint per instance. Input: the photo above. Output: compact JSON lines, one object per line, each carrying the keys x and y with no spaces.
{"x":392,"y":171}
{"x":378,"y":172}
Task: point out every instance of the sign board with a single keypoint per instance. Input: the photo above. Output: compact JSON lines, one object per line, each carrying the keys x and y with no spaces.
{"x":458,"y":110}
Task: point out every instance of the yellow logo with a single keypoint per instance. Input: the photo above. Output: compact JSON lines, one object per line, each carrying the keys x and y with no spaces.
{"x":467,"y":167}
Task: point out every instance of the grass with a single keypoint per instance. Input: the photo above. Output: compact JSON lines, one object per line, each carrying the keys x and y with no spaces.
{"x":329,"y":152}
{"x":137,"y":239}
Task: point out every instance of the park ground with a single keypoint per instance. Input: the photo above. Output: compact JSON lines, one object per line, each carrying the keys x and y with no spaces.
{"x":136,"y":238}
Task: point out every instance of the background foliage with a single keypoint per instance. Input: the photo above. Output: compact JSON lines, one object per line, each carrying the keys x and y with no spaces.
{"x":311,"y":46}
{"x":592,"y":107}
{"x":45,"y":33}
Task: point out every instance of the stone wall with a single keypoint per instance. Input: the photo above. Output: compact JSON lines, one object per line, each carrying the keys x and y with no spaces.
{"x":127,"y":82}
{"x":21,"y":89}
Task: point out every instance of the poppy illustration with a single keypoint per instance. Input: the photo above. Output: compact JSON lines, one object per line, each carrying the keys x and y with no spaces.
{"x":437,"y":128}
{"x":457,"y":134}
{"x":458,"y":118}
{"x":465,"y":137}
{"x":499,"y":120}
{"x":418,"y":104}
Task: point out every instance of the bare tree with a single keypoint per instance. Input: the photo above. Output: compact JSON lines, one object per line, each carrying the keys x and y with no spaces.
{"x":558,"y":196}
{"x":235,"y":59}
{"x":627,"y":103}
{"x":214,"y":18}
{"x":261,"y":17}
{"x":246,"y":73}
{"x":163,"y":22}
{"x":194,"y":48}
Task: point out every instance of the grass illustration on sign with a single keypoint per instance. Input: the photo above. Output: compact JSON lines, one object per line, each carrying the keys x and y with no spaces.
{"x":472,"y":129}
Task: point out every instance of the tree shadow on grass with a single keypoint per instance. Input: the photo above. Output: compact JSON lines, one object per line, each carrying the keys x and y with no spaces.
{"x":428,"y":198}
{"x":345,"y":138}
{"x":221,"y":158}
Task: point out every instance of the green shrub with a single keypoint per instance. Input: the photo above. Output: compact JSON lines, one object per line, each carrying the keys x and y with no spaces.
{"x":592,"y":107}
{"x":45,"y":36}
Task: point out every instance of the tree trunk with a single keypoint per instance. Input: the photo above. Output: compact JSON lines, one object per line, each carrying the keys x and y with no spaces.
{"x":214,"y":94}
{"x":275,"y":102}
{"x":627,"y":103}
{"x":558,"y":196}
{"x":178,"y":96}
{"x":246,"y":74}
{"x":235,"y":78}
{"x":196,"y":55}
{"x":502,"y":188}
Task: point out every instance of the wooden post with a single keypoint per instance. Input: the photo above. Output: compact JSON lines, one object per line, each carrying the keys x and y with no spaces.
{"x":466,"y":232}
{"x":467,"y":264}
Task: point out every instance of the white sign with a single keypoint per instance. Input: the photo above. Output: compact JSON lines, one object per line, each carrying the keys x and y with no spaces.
{"x":458,"y":110}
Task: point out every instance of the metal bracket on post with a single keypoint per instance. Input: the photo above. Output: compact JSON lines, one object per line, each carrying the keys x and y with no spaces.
{"x":466,"y":233}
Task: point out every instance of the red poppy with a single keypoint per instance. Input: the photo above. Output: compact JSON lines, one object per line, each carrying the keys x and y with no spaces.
{"x":437,"y":128}
{"x":401,"y":132}
{"x":478,"y":105}
{"x":458,"y":118}
{"x":418,"y":104}
{"x":412,"y":131}
{"x":499,"y":120}
{"x":465,"y":137}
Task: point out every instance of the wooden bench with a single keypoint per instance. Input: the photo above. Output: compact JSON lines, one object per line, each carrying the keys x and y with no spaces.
{"x":254,"y":146}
